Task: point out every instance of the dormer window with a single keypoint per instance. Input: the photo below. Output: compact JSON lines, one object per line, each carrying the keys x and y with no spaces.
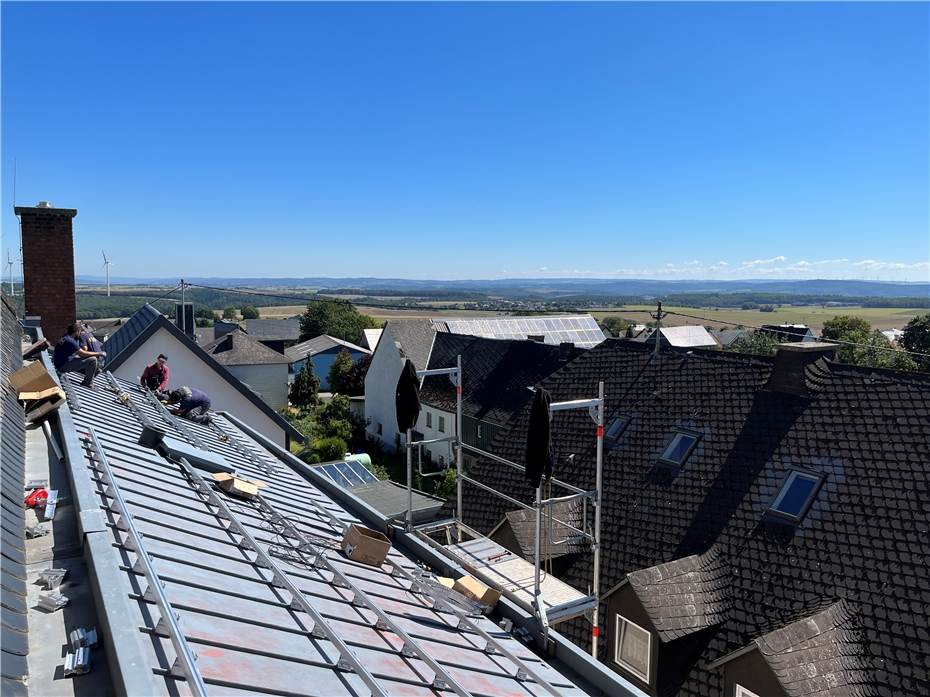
{"x":795,"y":496}
{"x":679,"y":448}
{"x":632,"y":647}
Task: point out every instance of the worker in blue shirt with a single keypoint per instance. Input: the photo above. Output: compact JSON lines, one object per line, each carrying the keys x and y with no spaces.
{"x":192,"y":404}
{"x":70,"y":357}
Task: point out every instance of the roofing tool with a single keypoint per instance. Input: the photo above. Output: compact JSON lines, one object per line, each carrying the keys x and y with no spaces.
{"x":52,"y":601}
{"x":77,"y":663}
{"x":51,"y":504}
{"x":81,"y":638}
{"x":52,"y":578}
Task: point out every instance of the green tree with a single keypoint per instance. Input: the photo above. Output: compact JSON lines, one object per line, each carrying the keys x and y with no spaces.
{"x":758,"y":343}
{"x":354,"y":381}
{"x":616,"y":325}
{"x":229,"y":312}
{"x":844,"y":324}
{"x":875,"y":351}
{"x":305,"y":388}
{"x":917,"y":338}
{"x":249,"y":312}
{"x":339,"y":371}
{"x":328,"y":449}
{"x":338,"y":319}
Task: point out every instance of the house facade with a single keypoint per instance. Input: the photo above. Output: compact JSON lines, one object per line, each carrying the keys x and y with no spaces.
{"x":261,"y":369}
{"x":321,"y":351}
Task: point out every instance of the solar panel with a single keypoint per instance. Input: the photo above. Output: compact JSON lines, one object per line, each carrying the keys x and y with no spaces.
{"x":362,"y":472}
{"x":581,"y":330}
{"x":337,"y":476}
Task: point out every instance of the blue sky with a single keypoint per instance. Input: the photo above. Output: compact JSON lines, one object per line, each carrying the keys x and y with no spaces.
{"x":730,"y":140}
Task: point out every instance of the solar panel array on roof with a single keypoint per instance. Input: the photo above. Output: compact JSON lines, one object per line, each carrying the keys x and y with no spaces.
{"x":581,"y":330}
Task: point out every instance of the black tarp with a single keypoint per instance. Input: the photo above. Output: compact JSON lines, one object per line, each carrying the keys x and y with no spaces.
{"x":539,"y":455}
{"x":407,"y":398}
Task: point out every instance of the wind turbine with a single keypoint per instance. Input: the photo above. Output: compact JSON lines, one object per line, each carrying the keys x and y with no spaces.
{"x":106,"y":264}
{"x":9,"y":263}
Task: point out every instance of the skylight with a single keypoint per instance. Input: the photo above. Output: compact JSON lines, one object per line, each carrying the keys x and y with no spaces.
{"x":615,"y":429}
{"x":679,"y":448}
{"x":347,"y":474}
{"x":796,"y":495}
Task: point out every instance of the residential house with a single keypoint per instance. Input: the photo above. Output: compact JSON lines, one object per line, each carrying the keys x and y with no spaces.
{"x":277,"y":334}
{"x":414,"y":339}
{"x":147,"y":333}
{"x":789,"y":332}
{"x":370,"y":338}
{"x":684,"y":336}
{"x":497,"y":377}
{"x":261,"y":369}
{"x":764,"y":519}
{"x":322,"y":352}
{"x":727,"y":337}
{"x":893,"y":335}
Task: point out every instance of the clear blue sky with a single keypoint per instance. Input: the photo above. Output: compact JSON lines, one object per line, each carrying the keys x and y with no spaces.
{"x":475,"y":140}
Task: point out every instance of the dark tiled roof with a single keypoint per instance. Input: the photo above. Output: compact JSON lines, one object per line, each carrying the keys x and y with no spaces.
{"x":13,"y":610}
{"x":267,"y":329}
{"x":818,"y":655}
{"x":863,"y":540}
{"x":555,"y":540}
{"x":415,"y":337}
{"x":497,"y":373}
{"x":787,"y":332}
{"x":239,"y":348}
{"x":129,"y":331}
{"x":685,"y":595}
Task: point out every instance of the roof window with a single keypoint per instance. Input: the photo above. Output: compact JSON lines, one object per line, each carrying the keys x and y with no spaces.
{"x":796,"y":495}
{"x":615,"y":429}
{"x":679,"y":448}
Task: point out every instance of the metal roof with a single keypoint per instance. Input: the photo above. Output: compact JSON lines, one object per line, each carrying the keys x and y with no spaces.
{"x":581,"y":330}
{"x":129,"y":331}
{"x":227,"y":566}
{"x":318,"y":344}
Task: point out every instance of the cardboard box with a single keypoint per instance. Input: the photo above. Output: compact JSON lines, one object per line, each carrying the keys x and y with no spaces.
{"x":231,"y":484}
{"x":446,"y":582}
{"x":365,"y":546}
{"x":473,"y":588}
{"x":33,"y":382}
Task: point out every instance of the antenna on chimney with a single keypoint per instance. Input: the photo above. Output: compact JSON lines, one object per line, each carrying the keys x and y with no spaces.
{"x":9,"y":263}
{"x":106,"y":264}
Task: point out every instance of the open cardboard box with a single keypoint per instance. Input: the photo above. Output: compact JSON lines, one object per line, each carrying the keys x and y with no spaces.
{"x":37,"y":389}
{"x":231,"y":484}
{"x":366,"y":546}
{"x":472,"y":588}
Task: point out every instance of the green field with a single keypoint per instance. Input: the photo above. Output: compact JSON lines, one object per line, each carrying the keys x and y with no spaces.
{"x":813,"y":316}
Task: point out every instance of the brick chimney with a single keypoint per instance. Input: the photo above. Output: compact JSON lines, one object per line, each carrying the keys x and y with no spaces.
{"x":791,"y":361}
{"x":48,"y":266}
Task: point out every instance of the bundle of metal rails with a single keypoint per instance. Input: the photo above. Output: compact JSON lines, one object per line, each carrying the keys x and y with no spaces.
{"x":542,"y":508}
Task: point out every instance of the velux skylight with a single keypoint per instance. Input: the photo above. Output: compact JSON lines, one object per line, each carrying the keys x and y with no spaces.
{"x":796,"y":495}
{"x":615,"y":429}
{"x":679,"y":448}
{"x":347,"y":474}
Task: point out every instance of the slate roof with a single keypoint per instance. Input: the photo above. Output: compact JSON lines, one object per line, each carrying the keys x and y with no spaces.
{"x":686,"y":595}
{"x":278,"y":329}
{"x":146,"y":321}
{"x":496,"y":374}
{"x":238,"y":348}
{"x":555,"y":540}
{"x":249,"y":636}
{"x":726,"y":337}
{"x":415,"y":337}
{"x":14,"y":639}
{"x":787,"y":332}
{"x":864,"y":539}
{"x":818,"y":655}
{"x":318,"y":344}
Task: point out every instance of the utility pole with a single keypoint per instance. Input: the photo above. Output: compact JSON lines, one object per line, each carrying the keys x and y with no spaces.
{"x":657,"y":316}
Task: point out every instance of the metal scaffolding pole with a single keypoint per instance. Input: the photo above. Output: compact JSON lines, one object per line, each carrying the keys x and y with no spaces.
{"x":595,"y":619}
{"x":409,"y":481}
{"x":458,"y":444}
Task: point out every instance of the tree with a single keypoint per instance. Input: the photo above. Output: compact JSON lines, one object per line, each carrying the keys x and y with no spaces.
{"x":875,"y":351}
{"x":229,"y":312}
{"x":249,"y":312}
{"x":758,"y":343}
{"x":616,"y":325}
{"x":844,"y":324}
{"x":338,"y":319}
{"x":305,"y":388}
{"x":328,"y":449}
{"x":917,"y":338}
{"x":354,"y":380}
{"x":339,"y":370}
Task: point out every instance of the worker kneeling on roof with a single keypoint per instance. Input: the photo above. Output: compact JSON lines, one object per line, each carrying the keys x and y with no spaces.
{"x":192,"y":404}
{"x":155,"y":377}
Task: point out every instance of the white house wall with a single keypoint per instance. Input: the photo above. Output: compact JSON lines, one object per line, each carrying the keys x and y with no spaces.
{"x":269,"y":380}
{"x":380,"y":390}
{"x":436,"y":450}
{"x":188,"y":369}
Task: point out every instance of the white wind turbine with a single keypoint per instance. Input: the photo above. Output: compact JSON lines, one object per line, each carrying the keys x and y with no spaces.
{"x":107,"y":264}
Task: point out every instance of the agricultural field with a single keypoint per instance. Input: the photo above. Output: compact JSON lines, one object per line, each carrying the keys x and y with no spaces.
{"x":813,"y":315}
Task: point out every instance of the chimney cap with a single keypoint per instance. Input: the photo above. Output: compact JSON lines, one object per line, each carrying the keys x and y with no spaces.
{"x":807,"y":346}
{"x":45,"y":208}
{"x":44,"y":204}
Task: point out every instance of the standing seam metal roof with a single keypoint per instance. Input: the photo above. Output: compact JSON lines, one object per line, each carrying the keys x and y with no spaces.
{"x":248,"y":637}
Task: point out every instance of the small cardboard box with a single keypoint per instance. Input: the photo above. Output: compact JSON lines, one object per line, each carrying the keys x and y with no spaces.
{"x":365,"y":546}
{"x":446,"y":582}
{"x":473,"y":588}
{"x":231,"y":484}
{"x":33,"y":382}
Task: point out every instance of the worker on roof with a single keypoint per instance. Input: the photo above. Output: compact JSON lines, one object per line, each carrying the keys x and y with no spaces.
{"x":155,"y":376}
{"x":89,"y":342}
{"x":70,"y":357}
{"x":192,"y":404}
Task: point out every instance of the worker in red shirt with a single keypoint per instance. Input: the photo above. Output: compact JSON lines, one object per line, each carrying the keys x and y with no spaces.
{"x":155,"y":376}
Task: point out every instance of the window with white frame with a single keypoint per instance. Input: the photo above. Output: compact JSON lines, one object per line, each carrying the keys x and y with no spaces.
{"x":632,"y":648}
{"x":442,"y":424}
{"x":743,"y":692}
{"x":429,"y":419}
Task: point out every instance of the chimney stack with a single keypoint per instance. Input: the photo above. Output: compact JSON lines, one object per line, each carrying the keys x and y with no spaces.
{"x":791,"y":361}
{"x":184,"y":318}
{"x":48,"y":266}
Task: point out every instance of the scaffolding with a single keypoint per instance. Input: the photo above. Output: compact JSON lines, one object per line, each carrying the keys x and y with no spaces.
{"x":571,"y":607}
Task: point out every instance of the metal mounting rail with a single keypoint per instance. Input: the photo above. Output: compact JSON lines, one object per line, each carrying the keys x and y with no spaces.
{"x":70,"y":394}
{"x":321,"y":630}
{"x":124,"y":397}
{"x":186,"y":659}
{"x":287,"y":530}
{"x":417,"y":589}
{"x":214,"y":426}
{"x":174,"y":421}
